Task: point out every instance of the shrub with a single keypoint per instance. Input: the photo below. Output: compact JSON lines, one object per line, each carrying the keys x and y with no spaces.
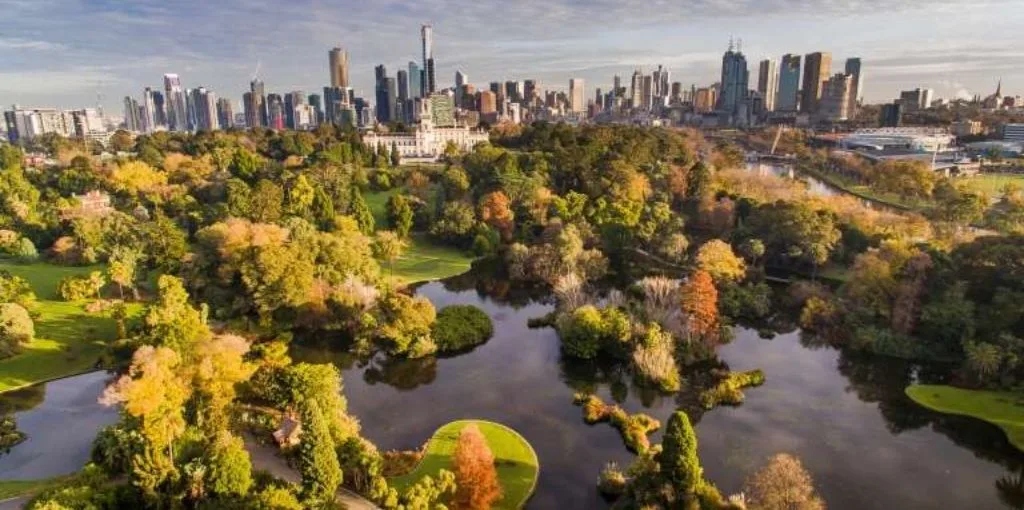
{"x":633,"y":428}
{"x":76,"y":288}
{"x":460,"y":327}
{"x":612,"y":481}
{"x":654,"y":359}
{"x":14,"y":289}
{"x":588,"y":330}
{"x":16,"y":328}
{"x":728,"y":391}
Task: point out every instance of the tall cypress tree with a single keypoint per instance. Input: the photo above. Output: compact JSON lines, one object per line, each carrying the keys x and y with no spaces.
{"x":679,"y":461}
{"x":321,"y":472}
{"x":361,"y":212}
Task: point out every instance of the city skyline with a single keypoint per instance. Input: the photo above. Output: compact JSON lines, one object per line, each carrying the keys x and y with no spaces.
{"x":70,"y":66}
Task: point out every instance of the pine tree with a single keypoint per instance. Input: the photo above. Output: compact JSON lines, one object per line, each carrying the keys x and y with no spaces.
{"x":361,"y":212}
{"x":679,"y":462}
{"x":400,"y":215}
{"x":321,"y":473}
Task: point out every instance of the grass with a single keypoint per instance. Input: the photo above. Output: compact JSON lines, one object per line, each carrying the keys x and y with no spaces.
{"x":422,"y":259}
{"x":1005,"y":409}
{"x":515,"y":459}
{"x":14,"y":488}
{"x":992,"y":184}
{"x":68,"y":339}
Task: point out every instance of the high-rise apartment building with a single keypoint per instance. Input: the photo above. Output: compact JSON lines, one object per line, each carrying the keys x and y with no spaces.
{"x":338,"y":60}
{"x":225,"y":113}
{"x":705,"y":99}
{"x":461,"y":80}
{"x":735,"y":84}
{"x":131,"y":115}
{"x":835,"y":97}
{"x":817,"y":68}
{"x":275,"y":111}
{"x":917,"y":99}
{"x":292,"y":102}
{"x":531,"y":91}
{"x":488,"y":103}
{"x":386,"y":96}
{"x":857,"y":88}
{"x":577,"y":96}
{"x":427,"y":38}
{"x":177,"y":120}
{"x":255,"y":105}
{"x":787,"y":99}
{"x":767,"y":83}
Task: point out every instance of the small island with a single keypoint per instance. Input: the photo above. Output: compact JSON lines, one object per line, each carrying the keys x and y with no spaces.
{"x":1004,"y":409}
{"x":514,"y":458}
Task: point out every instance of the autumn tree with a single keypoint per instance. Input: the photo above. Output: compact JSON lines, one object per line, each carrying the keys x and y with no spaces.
{"x":171,"y":321}
{"x":495,"y":210}
{"x":400,"y":215}
{"x":266,"y":202}
{"x":220,"y":366}
{"x":359,"y":210}
{"x":783,"y":484}
{"x":700,"y":305}
{"x":476,"y":478}
{"x":122,"y":267}
{"x":388,"y":246}
{"x":717,"y":259}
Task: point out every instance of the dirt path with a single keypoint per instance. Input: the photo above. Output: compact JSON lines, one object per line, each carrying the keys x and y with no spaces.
{"x":265,"y":457}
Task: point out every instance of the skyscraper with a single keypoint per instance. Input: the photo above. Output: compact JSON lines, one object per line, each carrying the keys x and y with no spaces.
{"x":255,"y":105}
{"x":131,"y":115}
{"x":817,"y":67}
{"x":735,"y":83}
{"x":225,"y":113}
{"x":385,"y":95}
{"x":857,"y":87}
{"x":427,"y":37}
{"x":531,"y":91}
{"x":175,"y":103}
{"x":767,"y":83}
{"x":292,"y":101}
{"x":577,"y":97}
{"x":789,"y":84}
{"x":461,"y":80}
{"x":338,"y":59}
{"x":275,"y":111}
{"x":835,"y":97}
{"x":148,"y":113}
{"x":415,"y":80}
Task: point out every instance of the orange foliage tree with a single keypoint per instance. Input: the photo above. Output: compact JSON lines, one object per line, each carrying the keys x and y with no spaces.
{"x":476,"y":479}
{"x":495,"y":210}
{"x":700,"y":306}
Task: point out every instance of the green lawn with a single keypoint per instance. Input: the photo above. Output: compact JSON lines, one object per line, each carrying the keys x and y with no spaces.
{"x":14,"y":488}
{"x":992,"y":184}
{"x":516,"y":461}
{"x":423,"y":259}
{"x":68,"y":339}
{"x":1004,"y":409}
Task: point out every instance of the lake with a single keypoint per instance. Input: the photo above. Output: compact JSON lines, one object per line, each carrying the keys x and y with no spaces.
{"x":866,"y":445}
{"x":61,"y":419}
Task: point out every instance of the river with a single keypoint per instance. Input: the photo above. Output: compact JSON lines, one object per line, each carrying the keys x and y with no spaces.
{"x":866,"y":445}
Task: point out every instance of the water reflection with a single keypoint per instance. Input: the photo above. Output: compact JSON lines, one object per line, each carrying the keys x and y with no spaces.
{"x":866,"y":444}
{"x":61,"y":425}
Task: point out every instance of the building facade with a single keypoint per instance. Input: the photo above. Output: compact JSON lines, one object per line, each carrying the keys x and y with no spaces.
{"x":427,"y":141}
{"x":787,"y":99}
{"x":767,"y":83}
{"x":817,"y":67}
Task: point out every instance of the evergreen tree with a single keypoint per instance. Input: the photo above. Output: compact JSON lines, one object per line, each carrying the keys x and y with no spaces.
{"x":396,"y":159}
{"x":400,"y":215}
{"x":361,"y":212}
{"x":698,"y":181}
{"x":321,"y":472}
{"x":679,"y":462}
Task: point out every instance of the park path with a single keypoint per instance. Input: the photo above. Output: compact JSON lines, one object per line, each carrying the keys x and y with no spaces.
{"x":265,"y":457}
{"x":15,"y":503}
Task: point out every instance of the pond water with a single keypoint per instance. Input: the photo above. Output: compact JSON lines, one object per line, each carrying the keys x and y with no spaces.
{"x":866,"y":445}
{"x":61,"y":419}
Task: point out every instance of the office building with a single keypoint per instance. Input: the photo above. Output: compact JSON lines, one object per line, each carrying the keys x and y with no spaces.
{"x":131,"y":115}
{"x":914,"y":100}
{"x":415,"y":80}
{"x":225,"y":113}
{"x":891,"y":115}
{"x":461,"y":80}
{"x":817,"y":68}
{"x":734,"y":86}
{"x":767,"y":83}
{"x":275,"y":111}
{"x":174,"y":101}
{"x":531,"y":91}
{"x":386,"y":95}
{"x":427,"y":38}
{"x":338,"y":60}
{"x":835,"y":97}
{"x":857,"y":85}
{"x":316,"y":103}
{"x":787,"y":98}
{"x":159,"y":109}
{"x":292,"y":101}
{"x":577,"y":96}
{"x":441,"y":109}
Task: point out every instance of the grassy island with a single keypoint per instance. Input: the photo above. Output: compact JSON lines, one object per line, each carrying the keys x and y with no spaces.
{"x":515,"y":460}
{"x":1004,"y":409}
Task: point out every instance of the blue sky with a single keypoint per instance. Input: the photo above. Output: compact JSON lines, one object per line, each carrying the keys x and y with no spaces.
{"x":61,"y":52}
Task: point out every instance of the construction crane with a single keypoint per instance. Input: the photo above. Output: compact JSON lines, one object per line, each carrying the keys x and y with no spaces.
{"x":778,"y":135}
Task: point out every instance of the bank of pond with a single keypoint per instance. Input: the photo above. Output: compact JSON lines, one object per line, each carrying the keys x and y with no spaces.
{"x":845,"y":415}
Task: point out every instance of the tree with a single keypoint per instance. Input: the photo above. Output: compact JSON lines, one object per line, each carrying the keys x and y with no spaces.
{"x":265,"y":203}
{"x":318,"y":464}
{"x":717,"y":259}
{"x":122,"y":267}
{"x":220,"y":366}
{"x":121,"y":141}
{"x":300,"y":197}
{"x":495,"y":210}
{"x":476,"y":478}
{"x":134,"y":177}
{"x":171,"y":321}
{"x":456,"y":224}
{"x":700,"y":305}
{"x":679,"y":462}
{"x":359,"y":210}
{"x":16,"y":328}
{"x":698,"y":181}
{"x":166,"y":243}
{"x":783,"y":484}
{"x":230,"y":470}
{"x":14,"y":289}
{"x":388,"y":246}
{"x":400,"y":215}
{"x":396,"y":158}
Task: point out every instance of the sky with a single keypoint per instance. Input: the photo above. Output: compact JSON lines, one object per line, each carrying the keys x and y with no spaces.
{"x":63,"y":53}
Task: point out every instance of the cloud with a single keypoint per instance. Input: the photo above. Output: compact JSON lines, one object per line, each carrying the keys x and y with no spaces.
{"x":9,"y":43}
